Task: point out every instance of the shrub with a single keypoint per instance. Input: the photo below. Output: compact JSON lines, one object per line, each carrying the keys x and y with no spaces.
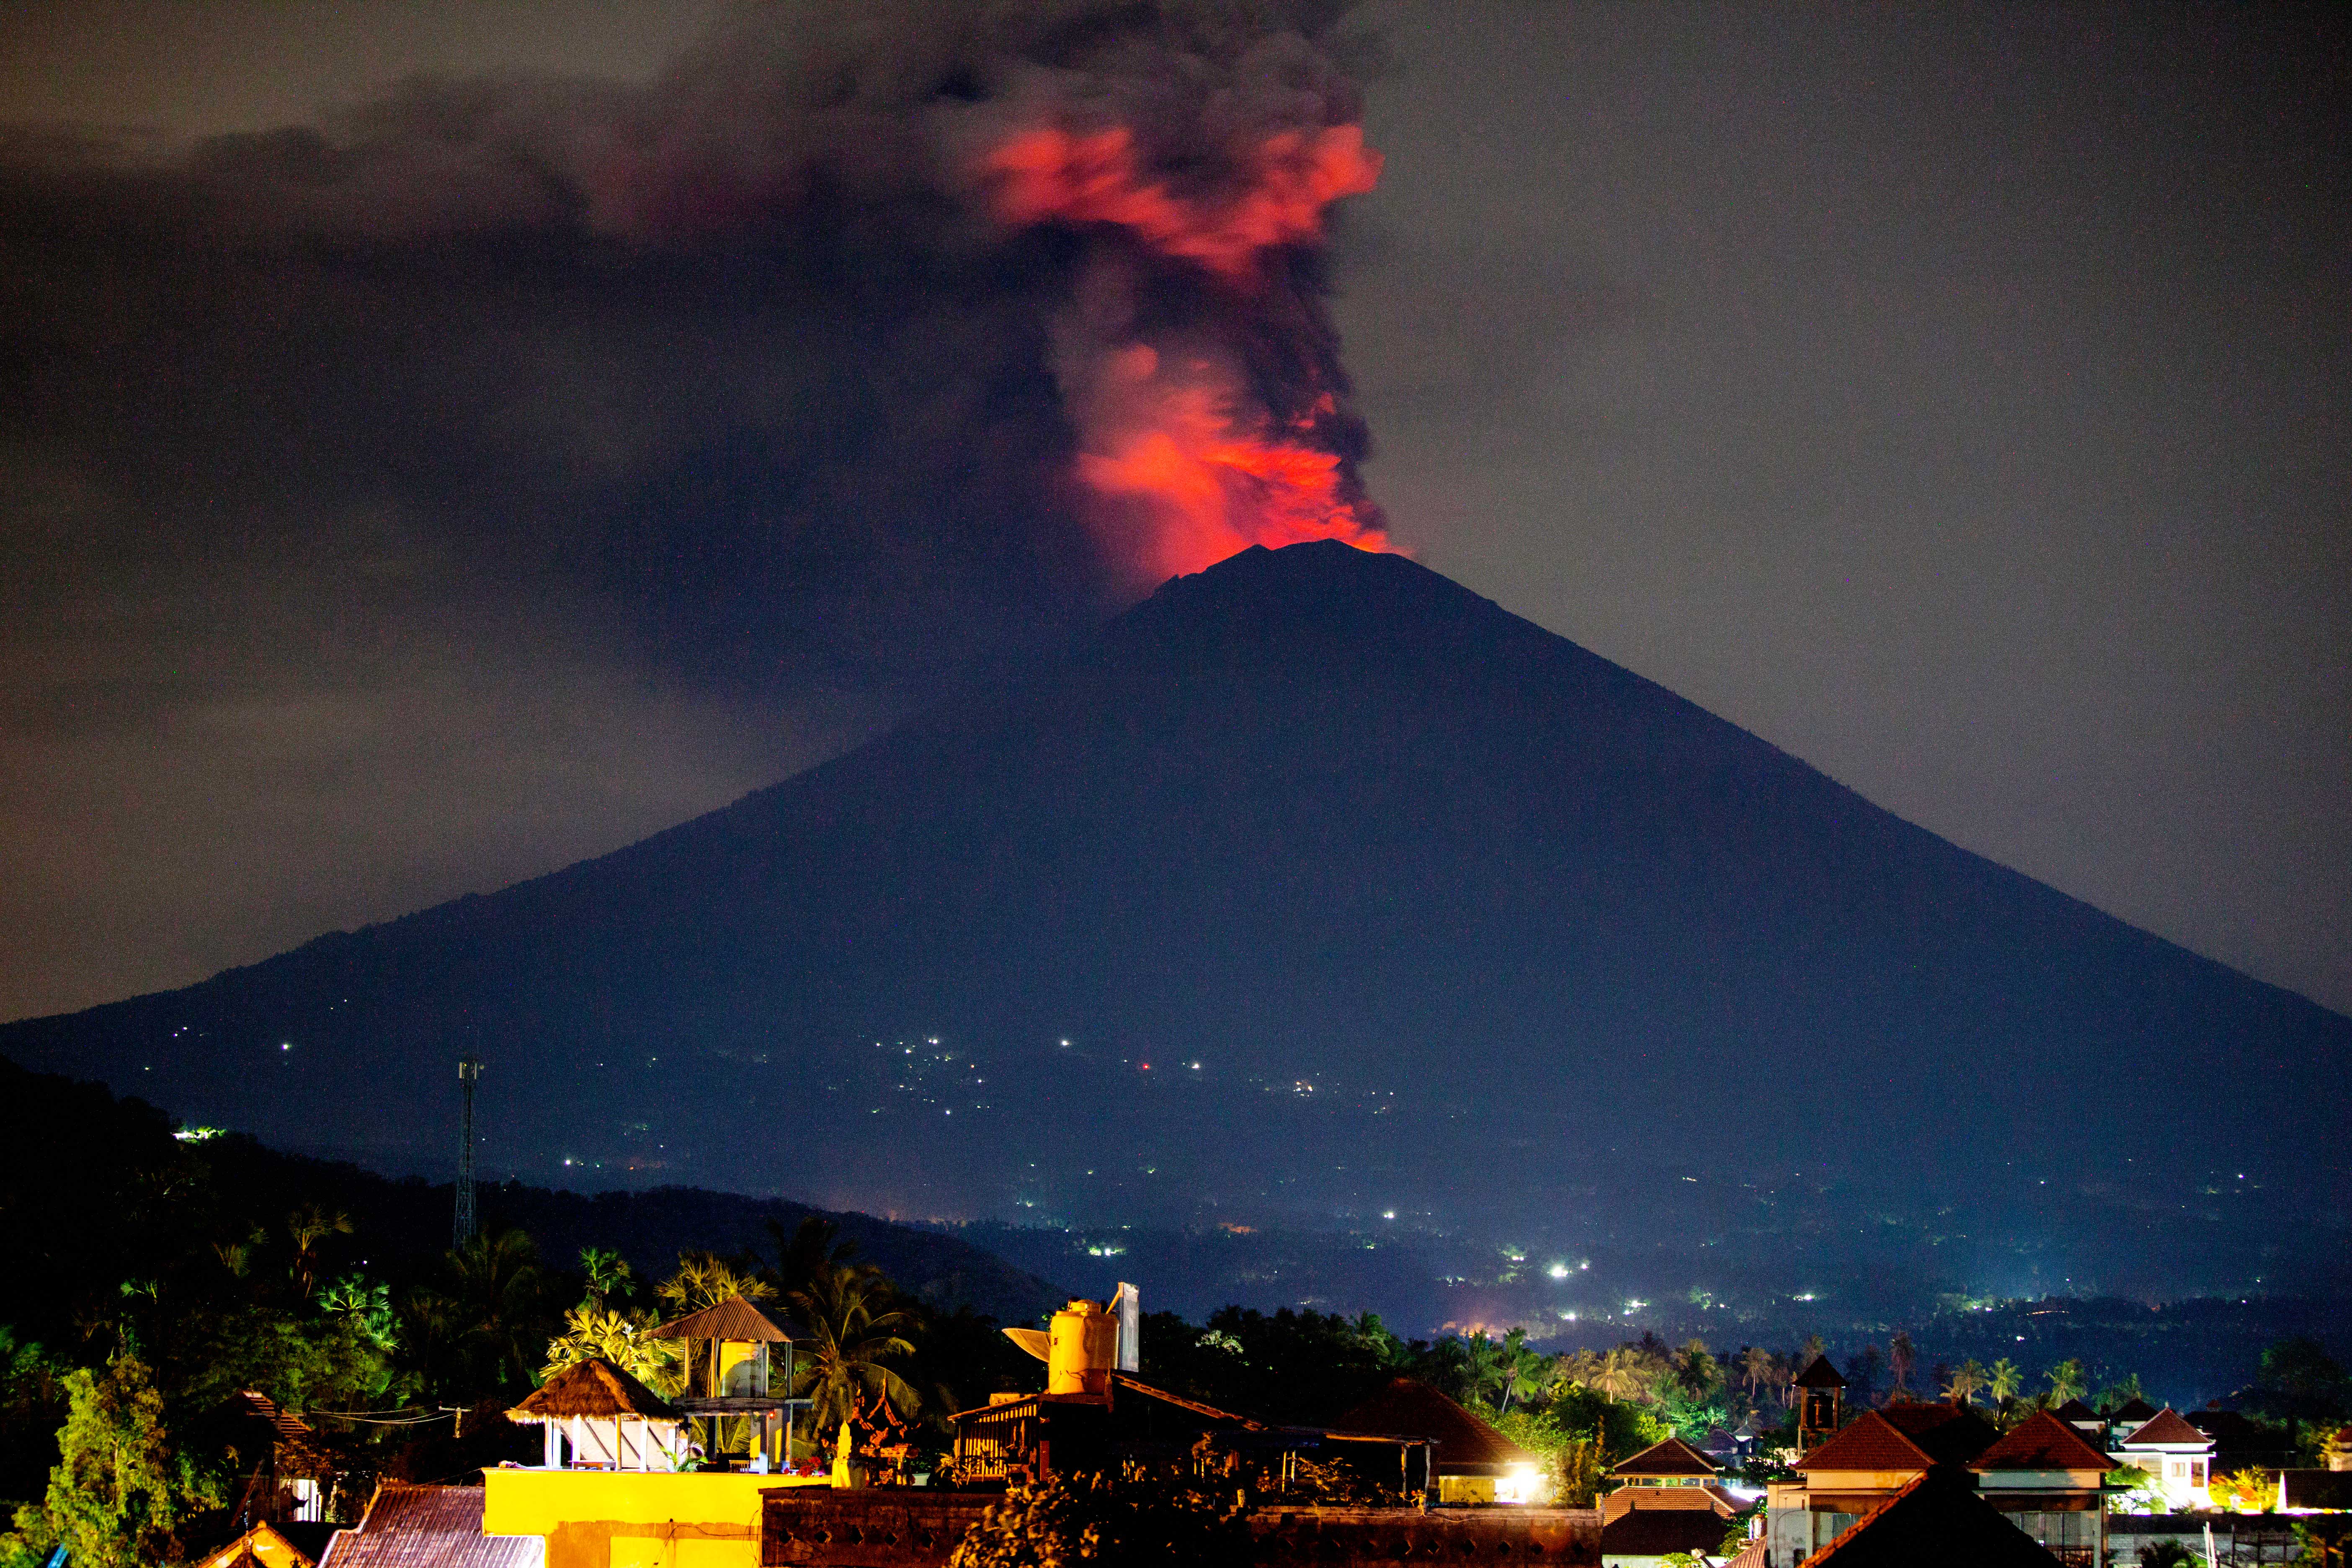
{"x":1107,"y":1523}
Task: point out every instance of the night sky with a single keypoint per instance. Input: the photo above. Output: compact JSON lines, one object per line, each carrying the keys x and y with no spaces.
{"x":1957,"y":399}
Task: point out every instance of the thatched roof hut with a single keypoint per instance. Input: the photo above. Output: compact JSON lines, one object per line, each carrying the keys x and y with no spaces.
{"x":598,"y":1416}
{"x":596,"y":1389}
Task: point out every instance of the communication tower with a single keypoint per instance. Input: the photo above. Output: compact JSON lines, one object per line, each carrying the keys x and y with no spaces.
{"x":462,"y":1228}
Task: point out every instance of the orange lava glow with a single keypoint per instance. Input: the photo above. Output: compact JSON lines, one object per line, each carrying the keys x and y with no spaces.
{"x":1189,"y":491}
{"x":1065,"y":176}
{"x":1183,"y":470}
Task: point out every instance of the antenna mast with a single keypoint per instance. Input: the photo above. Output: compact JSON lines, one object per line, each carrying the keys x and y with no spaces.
{"x":463,"y":1226}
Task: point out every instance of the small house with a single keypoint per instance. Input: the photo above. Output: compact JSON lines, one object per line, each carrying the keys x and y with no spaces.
{"x":2175,"y":1454}
{"x":597,"y":1418}
{"x":1472,"y":1463}
{"x":2048,"y":1479}
{"x":739,"y":1375}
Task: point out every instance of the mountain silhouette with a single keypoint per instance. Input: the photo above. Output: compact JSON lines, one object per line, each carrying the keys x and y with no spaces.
{"x":1352,"y":896}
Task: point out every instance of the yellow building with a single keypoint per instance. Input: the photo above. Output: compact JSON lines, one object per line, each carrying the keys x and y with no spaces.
{"x":610,"y":1494}
{"x":739,"y":1367}
{"x":635,"y":1518}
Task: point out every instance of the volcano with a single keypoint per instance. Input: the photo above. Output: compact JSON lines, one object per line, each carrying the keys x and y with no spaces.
{"x":1317,"y":889}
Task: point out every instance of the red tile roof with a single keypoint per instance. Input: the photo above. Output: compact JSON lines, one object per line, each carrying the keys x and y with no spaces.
{"x":1872,"y":1443}
{"x":1951,"y":1434}
{"x":2166,"y":1427}
{"x":1755,"y":1554}
{"x":1655,"y":1531}
{"x":1820,"y":1375}
{"x":1408,"y":1407}
{"x":733,"y":1319}
{"x":2041,"y":1442}
{"x":1672,"y":1458}
{"x":1936,"y":1521}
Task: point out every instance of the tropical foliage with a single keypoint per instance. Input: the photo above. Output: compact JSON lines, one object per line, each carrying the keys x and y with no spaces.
{"x":1108,"y":1524}
{"x":119,"y":1492}
{"x":2243,"y":1491}
{"x":845,"y":1369}
{"x":619,"y":1339}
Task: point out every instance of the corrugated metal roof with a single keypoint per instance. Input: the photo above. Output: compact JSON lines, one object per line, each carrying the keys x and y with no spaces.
{"x":429,"y":1527}
{"x":1408,"y":1407}
{"x":733,"y":1319}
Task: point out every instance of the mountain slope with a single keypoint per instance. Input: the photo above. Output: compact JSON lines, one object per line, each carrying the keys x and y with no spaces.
{"x":1458,"y":919}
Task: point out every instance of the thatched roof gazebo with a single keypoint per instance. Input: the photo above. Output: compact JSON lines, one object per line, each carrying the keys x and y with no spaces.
{"x":731,"y":1375}
{"x":606,"y":1418}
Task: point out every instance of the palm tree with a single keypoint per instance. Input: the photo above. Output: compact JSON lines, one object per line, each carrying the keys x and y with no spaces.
{"x":1574,"y":1369}
{"x":496,"y":1299}
{"x":1695,"y":1372}
{"x":1901,"y":1357}
{"x":1482,"y":1366}
{"x":1445,"y":1365}
{"x":590,"y":1333}
{"x":2004,"y":1381}
{"x":1755,"y":1367}
{"x":2066,"y":1382}
{"x":366,"y":1308}
{"x":1621,"y":1375}
{"x":808,"y":1253}
{"x":1374,"y":1335}
{"x":607,"y":1272}
{"x":309,"y":1226}
{"x":852,"y":1331}
{"x":704,"y":1279}
{"x":1968,"y":1381}
{"x":1523,"y":1369}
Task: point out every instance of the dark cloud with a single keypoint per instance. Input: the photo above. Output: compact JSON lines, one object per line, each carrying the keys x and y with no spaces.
{"x":342,"y":449}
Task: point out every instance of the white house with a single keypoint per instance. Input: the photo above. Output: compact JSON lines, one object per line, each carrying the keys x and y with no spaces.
{"x":2179,"y":1456}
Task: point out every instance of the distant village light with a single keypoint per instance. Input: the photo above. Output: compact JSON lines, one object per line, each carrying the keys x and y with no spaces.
{"x":1559,"y":1270}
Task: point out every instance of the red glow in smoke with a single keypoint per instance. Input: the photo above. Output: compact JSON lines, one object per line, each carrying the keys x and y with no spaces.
{"x":1057,"y":175}
{"x":1202,"y":492}
{"x":1186,"y":476}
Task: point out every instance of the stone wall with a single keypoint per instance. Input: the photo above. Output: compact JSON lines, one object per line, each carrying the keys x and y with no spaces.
{"x":915,"y":1528}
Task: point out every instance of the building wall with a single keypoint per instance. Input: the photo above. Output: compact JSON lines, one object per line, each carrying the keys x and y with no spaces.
{"x":605,"y":1518}
{"x":2184,"y":1478}
{"x":898,"y":1527}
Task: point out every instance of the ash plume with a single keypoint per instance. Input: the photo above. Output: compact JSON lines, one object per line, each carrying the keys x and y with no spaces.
{"x":861,"y":342}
